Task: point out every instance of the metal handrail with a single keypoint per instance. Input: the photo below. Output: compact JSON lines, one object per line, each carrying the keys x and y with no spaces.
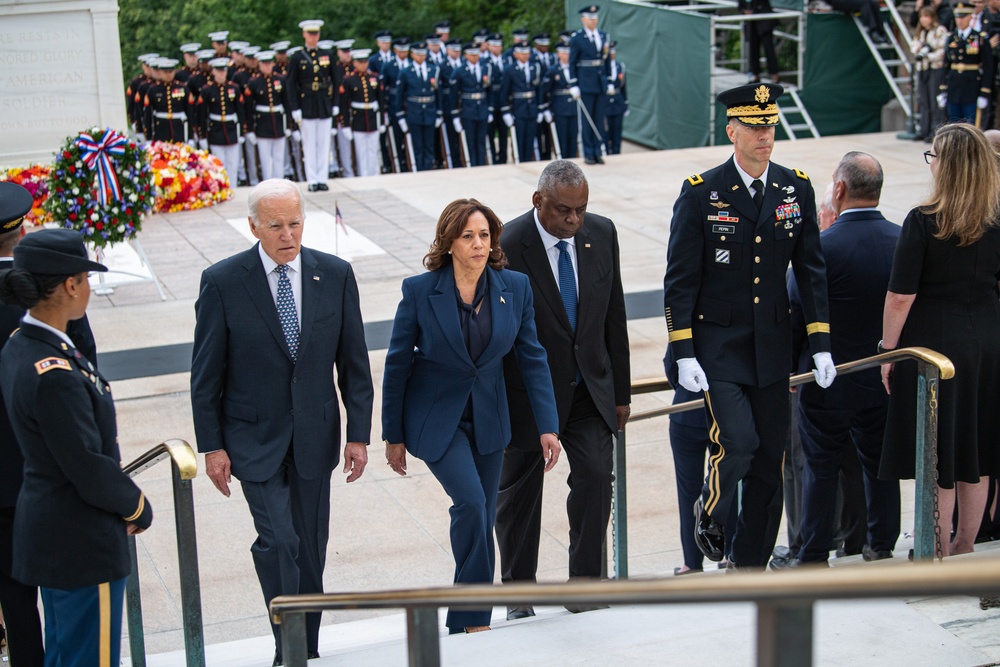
{"x":784,"y":602}
{"x":184,"y":468}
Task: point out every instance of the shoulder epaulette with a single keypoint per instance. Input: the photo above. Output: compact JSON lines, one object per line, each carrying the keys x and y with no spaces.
{"x":50,"y":363}
{"x":14,"y":332}
{"x":801,"y":174}
{"x":696,"y":179}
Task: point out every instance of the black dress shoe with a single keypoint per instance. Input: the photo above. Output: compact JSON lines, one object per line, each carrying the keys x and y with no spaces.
{"x":514,"y":613}
{"x":870,"y":554}
{"x":678,"y":572}
{"x":599,"y":159}
{"x":708,"y":534}
{"x":313,"y":187}
{"x":277,"y":660}
{"x":312,"y":655}
{"x":589,"y":160}
{"x":580,"y":608}
{"x":322,"y":186}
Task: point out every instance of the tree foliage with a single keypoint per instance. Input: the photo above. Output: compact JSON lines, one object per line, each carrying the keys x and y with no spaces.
{"x":163,"y":25}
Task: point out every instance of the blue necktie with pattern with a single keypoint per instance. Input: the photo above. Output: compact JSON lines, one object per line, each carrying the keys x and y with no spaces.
{"x":286,"y":311}
{"x":567,"y":283}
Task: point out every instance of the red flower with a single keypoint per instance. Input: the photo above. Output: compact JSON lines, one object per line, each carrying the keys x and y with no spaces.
{"x":99,"y":226}
{"x":72,"y":216}
{"x":66,"y":154}
{"x":72,"y":169}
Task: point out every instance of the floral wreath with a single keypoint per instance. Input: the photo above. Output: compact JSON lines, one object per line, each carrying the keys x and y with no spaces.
{"x":101,"y":186}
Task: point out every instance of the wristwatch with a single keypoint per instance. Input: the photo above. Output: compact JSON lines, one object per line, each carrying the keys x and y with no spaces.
{"x":882,"y":349}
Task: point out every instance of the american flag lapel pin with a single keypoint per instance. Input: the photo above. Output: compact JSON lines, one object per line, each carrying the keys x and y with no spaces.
{"x":586,"y":245}
{"x":316,"y":278}
{"x":502,"y":300}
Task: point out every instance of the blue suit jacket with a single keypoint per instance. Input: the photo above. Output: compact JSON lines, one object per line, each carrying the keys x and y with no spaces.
{"x":410,"y":87}
{"x":248,"y":396}
{"x":464,"y":82}
{"x":429,"y":375}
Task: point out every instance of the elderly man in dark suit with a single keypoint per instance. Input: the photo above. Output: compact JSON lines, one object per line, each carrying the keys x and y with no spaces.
{"x":265,"y":406}
{"x":571,"y":257}
{"x":858,"y":250}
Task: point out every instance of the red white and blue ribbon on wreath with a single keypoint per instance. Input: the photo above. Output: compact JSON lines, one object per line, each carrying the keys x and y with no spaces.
{"x":97,"y":155}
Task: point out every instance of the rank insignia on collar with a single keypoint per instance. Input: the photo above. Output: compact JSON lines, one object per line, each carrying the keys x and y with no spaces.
{"x":719,"y":204}
{"x":735,"y":188}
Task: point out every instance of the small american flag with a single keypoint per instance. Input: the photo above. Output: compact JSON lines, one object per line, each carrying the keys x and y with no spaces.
{"x":340,"y":218}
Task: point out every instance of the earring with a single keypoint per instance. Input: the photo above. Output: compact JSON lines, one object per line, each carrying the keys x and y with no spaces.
{"x":449,"y":252}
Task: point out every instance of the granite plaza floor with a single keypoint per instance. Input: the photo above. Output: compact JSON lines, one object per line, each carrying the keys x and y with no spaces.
{"x":387,"y":531}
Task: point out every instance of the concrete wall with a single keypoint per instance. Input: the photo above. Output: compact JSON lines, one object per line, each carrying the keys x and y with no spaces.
{"x":60,"y":72}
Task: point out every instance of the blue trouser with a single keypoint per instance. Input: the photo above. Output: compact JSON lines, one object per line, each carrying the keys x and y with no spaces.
{"x":498,"y":145}
{"x":566,"y":131}
{"x":472,"y":481}
{"x":591,"y":142}
{"x":292,"y":518}
{"x":614,"y":133}
{"x":475,"y":141}
{"x":526,"y":129}
{"x":961,"y":113}
{"x":422,"y":137}
{"x":83,"y":626}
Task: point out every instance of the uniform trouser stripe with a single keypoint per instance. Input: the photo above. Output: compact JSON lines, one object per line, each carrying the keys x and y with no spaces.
{"x":714,"y":460}
{"x":104,"y":636}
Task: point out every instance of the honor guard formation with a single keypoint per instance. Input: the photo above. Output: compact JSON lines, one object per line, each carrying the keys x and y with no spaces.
{"x":326,"y":109}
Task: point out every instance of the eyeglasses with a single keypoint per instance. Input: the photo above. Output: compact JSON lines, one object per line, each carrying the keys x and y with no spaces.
{"x":928,"y":156}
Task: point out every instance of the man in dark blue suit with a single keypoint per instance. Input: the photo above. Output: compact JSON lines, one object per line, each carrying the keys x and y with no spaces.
{"x":417,"y":106}
{"x":262,"y":393}
{"x":858,"y":249}
{"x":588,"y":64}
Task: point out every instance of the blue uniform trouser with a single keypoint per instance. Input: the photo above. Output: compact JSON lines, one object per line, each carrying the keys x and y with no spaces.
{"x":83,"y":626}
{"x":526,"y":129}
{"x":614,"y":133}
{"x":475,"y":141}
{"x":591,"y":142}
{"x":961,"y":113}
{"x":498,"y":140}
{"x":826,"y":433}
{"x":566,"y":131}
{"x":292,"y":518}
{"x":472,"y":481}
{"x":422,"y":137}
{"x":748,"y":427}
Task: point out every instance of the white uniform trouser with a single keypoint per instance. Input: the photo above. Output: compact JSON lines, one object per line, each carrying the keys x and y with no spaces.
{"x":272,"y":157}
{"x":366,"y":148}
{"x":344,"y":145}
{"x":289,"y":169}
{"x":316,"y":148}
{"x":230,"y":158}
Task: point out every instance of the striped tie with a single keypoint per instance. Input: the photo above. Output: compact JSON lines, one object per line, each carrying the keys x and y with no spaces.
{"x":567,"y":283}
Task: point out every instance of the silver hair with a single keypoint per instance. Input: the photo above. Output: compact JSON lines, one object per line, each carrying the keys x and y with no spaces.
{"x":827,"y":201}
{"x":272,"y":188}
{"x":560,"y":173}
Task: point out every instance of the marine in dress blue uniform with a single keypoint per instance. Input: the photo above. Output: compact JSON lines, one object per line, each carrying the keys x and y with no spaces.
{"x":614,"y":104}
{"x":417,"y":105}
{"x":732,"y":236}
{"x":76,"y":505}
{"x":969,"y":69}
{"x":311,"y":92}
{"x":588,"y":64}
{"x":520,"y":95}
{"x":471,"y":85}
{"x":168,"y":107}
{"x":558,"y":91}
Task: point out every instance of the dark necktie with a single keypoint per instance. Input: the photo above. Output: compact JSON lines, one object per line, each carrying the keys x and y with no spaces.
{"x":286,"y":311}
{"x":567,"y":283}
{"x":758,"y":193}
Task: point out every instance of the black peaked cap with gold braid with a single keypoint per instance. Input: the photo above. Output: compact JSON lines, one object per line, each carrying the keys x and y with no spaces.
{"x":755,"y":104}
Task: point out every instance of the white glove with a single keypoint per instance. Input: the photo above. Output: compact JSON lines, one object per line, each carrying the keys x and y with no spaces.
{"x":611,"y":89}
{"x":508,"y":120}
{"x":252,"y":138}
{"x":297,"y":136}
{"x":489,"y":118}
{"x":333,"y":131}
{"x":438,"y":122}
{"x":548,"y":116}
{"x":403,"y":126}
{"x":288,"y":132}
{"x":193,"y":143}
{"x":140,"y":138}
{"x":336,"y":110}
{"x":691,"y":376}
{"x":942,"y":100}
{"x":627,"y":112}
{"x":825,"y":371}
{"x":982,"y":102}
{"x":541,"y":117}
{"x":381,"y":129}
{"x":574,"y":92}
{"x":203,"y":144}
{"x":241,"y":139}
{"x":348,"y":133}
{"x":457,"y":124}
{"x":297,"y":116}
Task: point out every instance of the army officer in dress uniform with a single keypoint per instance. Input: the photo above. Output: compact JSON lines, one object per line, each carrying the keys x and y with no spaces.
{"x":734,"y":230}
{"x":76,"y":507}
{"x":311,"y":89}
{"x":968,"y":62}
{"x":362,"y":100}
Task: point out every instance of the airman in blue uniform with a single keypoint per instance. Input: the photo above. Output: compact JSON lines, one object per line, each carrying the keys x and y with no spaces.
{"x":472,"y":111}
{"x":589,"y":65}
{"x":562,"y":108}
{"x":520,"y":95}
{"x":417,"y":106}
{"x":614,"y":103}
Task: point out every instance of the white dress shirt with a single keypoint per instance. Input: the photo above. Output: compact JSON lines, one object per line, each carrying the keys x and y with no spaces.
{"x":294,"y":277}
{"x":748,"y":179}
{"x":552,"y":252}
{"x":28,"y":319}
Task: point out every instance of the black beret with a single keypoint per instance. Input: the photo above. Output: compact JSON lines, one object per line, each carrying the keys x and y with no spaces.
{"x":15,"y":202}
{"x":54,"y":252}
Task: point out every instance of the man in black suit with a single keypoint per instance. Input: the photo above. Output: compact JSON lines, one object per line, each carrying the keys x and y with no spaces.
{"x":571,"y":257}
{"x":265,"y":406}
{"x":858,"y":250}
{"x":734,"y":231}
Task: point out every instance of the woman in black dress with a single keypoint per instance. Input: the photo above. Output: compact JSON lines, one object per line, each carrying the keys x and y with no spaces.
{"x":943,"y":295}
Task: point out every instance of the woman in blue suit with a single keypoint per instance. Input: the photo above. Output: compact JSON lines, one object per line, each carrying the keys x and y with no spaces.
{"x":443,"y":393}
